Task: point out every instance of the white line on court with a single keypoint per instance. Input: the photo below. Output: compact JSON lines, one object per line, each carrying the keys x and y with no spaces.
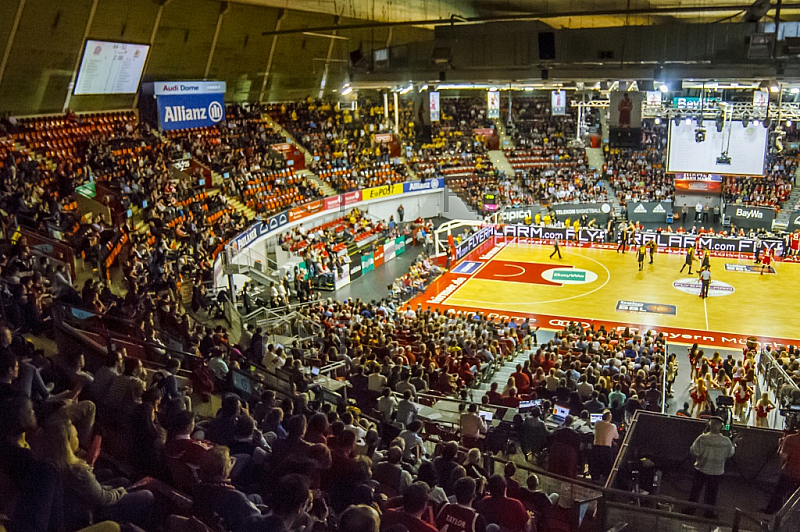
{"x":705,"y":306}
{"x":521,"y":272}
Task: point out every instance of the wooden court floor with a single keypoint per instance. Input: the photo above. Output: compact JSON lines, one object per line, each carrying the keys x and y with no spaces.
{"x":519,"y":279}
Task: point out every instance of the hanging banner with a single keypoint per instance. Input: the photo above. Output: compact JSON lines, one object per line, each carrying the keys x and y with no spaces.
{"x":184,"y":104}
{"x":626,"y":110}
{"x":760,"y":99}
{"x":558,"y":103}
{"x":434,"y":106}
{"x":494,"y":104}
{"x":654,"y":98}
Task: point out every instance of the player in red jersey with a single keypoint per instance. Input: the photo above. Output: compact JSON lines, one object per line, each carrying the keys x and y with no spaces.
{"x":766,"y":261}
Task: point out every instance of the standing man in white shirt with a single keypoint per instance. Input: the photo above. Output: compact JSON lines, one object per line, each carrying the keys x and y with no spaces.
{"x":710,"y":451}
{"x":602,"y":458}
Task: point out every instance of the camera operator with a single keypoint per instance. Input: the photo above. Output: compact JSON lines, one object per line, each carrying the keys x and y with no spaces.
{"x":710,"y":450}
{"x":789,"y":481}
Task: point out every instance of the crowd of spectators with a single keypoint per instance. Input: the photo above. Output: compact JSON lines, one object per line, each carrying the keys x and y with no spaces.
{"x":640,"y":174}
{"x":768,"y":191}
{"x":342,"y":142}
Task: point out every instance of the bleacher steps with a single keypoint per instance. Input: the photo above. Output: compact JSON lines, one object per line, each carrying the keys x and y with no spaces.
{"x":326,"y":189}
{"x":500,"y":162}
{"x":289,"y":138}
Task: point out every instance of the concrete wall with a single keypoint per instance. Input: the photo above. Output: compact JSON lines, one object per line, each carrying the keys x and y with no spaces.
{"x":456,"y":209}
{"x":426,"y":204}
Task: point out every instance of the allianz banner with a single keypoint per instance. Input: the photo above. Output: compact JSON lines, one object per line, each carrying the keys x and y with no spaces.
{"x":750,"y":217}
{"x":419,"y":186}
{"x":189,"y":104}
{"x":649,"y":211}
{"x":599,"y":212}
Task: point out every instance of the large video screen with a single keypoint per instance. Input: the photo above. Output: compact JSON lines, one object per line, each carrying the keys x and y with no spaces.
{"x":111,"y":67}
{"x":736,"y":150}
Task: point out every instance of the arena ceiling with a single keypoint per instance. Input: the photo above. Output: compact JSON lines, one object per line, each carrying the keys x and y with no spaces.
{"x":557,"y":13}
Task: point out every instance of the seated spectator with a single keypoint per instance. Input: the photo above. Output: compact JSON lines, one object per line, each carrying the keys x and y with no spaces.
{"x":415,"y":502}
{"x":461,"y":517}
{"x":509,"y":514}
{"x":56,"y":445}
{"x":216,"y":496}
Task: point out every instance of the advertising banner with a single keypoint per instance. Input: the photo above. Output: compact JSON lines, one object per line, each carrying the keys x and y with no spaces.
{"x":399,"y":245}
{"x":367,"y":262}
{"x":355,"y":265}
{"x":388,"y":250}
{"x":599,"y":212}
{"x":518,"y":214}
{"x":333,"y":203}
{"x":647,"y":308}
{"x":382,"y":192}
{"x":473,"y":241}
{"x":378,"y":255}
{"x":698,"y":183}
{"x":302,"y":211}
{"x":189,"y":104}
{"x":494,"y":104}
{"x":750,"y":217}
{"x":343,"y":279}
{"x":693,"y":102}
{"x":662,"y":240}
{"x":342,"y":200}
{"x":434,"y":106}
{"x":419,"y":186}
{"x":625,"y":110}
{"x":649,"y":211}
{"x":558,"y":103}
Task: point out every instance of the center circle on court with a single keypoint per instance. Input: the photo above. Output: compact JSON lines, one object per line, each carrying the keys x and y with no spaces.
{"x":569,"y":276}
{"x":692,"y":286}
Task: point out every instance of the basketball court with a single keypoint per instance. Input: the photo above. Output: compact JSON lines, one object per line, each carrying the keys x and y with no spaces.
{"x":513,"y":277}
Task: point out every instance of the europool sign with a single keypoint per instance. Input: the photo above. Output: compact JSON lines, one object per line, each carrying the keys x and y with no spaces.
{"x":186,"y":104}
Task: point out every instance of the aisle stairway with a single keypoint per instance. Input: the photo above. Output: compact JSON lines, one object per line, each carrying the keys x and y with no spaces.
{"x":506,"y":142}
{"x":500,"y":162}
{"x":326,"y":189}
{"x":595,"y":158}
{"x":783,"y":218}
{"x":289,"y":138}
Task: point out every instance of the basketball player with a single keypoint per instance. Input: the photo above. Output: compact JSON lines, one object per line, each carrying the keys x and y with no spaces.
{"x":651,"y":246}
{"x":640,"y":254}
{"x":795,"y":244}
{"x":689,"y":259}
{"x":556,"y":249}
{"x":706,"y":259}
{"x":766,"y":261}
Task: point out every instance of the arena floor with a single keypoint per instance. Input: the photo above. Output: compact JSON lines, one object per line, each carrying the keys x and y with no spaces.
{"x":517,"y":278}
